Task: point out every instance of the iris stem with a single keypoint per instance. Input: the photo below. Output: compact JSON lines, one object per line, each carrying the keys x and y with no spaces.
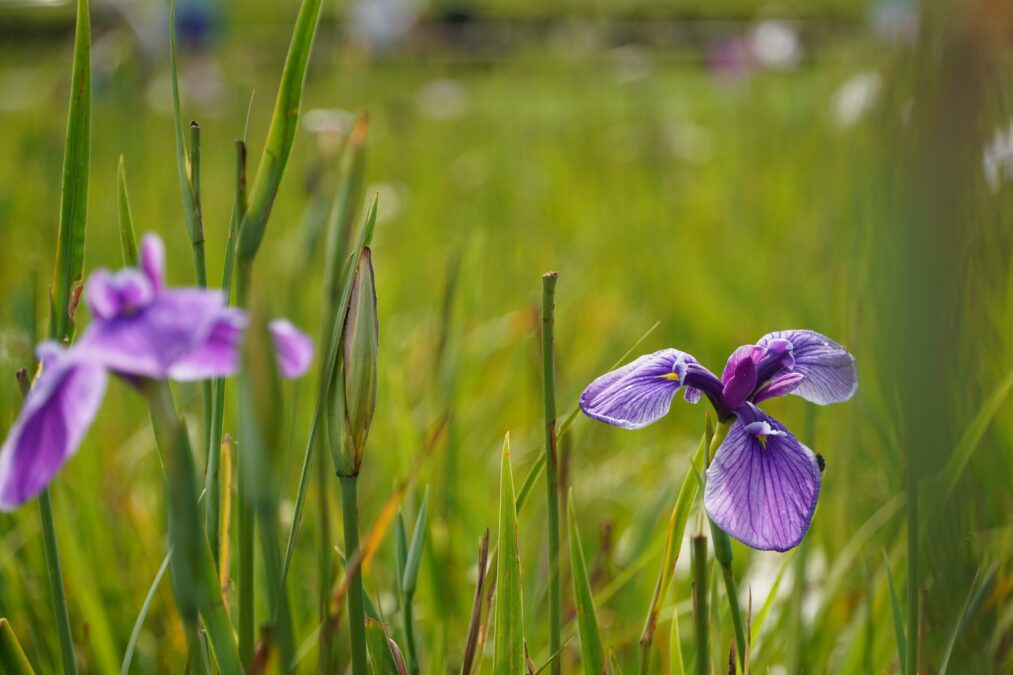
{"x":698,"y":561}
{"x":551,"y":460}
{"x":723,"y":554}
{"x":194,"y":580}
{"x":56,"y":583}
{"x":356,"y":603}
{"x":53,"y":566}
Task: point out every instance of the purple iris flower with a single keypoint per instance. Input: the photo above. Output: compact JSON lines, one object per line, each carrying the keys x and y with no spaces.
{"x":762,"y":484}
{"x":140,"y":329}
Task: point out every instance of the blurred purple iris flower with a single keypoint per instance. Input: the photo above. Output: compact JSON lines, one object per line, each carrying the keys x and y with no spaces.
{"x":762,"y":484}
{"x":140,"y":329}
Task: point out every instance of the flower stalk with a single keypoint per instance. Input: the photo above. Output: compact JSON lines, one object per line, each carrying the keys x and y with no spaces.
{"x":356,"y":603}
{"x":723,"y":554}
{"x":551,"y":460}
{"x":698,"y":561}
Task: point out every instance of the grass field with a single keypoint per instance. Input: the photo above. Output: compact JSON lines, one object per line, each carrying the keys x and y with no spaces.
{"x":701,"y":210}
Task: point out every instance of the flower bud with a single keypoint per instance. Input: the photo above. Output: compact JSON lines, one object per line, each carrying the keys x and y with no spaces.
{"x":359,"y":374}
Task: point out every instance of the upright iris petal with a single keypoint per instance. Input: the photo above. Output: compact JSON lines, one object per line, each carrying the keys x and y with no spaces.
{"x":638,"y":393}
{"x":763,"y":484}
{"x":739,"y":376}
{"x":56,"y":413}
{"x":829,"y":370}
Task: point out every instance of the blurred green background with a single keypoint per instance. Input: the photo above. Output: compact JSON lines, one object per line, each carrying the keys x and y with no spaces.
{"x":724,"y":169}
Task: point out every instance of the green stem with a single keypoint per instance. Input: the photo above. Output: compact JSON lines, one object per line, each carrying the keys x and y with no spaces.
{"x":913,"y":581}
{"x":245,"y":569}
{"x":356,"y":603}
{"x":409,"y":634}
{"x":551,"y":458}
{"x":212,"y":490}
{"x":326,"y":567}
{"x":195,"y":582}
{"x":723,"y":554}
{"x":276,"y":597}
{"x":56,"y":583}
{"x":700,"y":615}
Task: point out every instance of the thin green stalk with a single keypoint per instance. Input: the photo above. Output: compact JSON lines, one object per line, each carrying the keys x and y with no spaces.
{"x":277,"y":599}
{"x":245,"y":581}
{"x":326,"y":568}
{"x":723,"y":554}
{"x":701,"y":619}
{"x":212,"y":504}
{"x":56,"y":583}
{"x":194,"y":580}
{"x":356,"y":605}
{"x":913,"y":581}
{"x":551,"y":459}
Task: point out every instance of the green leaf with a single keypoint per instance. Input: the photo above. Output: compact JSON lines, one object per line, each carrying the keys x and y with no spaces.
{"x":381,"y":651}
{"x":411,"y":571}
{"x":12,"y":657}
{"x":281,"y":134}
{"x":592,"y":653}
{"x":969,"y":441}
{"x":982,"y":582}
{"x":74,"y":193}
{"x":509,"y":644}
{"x":898,"y":621}
{"x":128,"y":655}
{"x":128,"y":240}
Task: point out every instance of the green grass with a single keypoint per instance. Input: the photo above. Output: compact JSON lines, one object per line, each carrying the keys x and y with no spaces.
{"x":723,"y":210}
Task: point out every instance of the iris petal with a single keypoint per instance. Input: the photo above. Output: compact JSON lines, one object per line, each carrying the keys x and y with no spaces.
{"x":638,"y":393}
{"x":830,"y":373}
{"x":150,"y":342}
{"x":294,"y":348}
{"x":217,"y":355}
{"x":739,"y":376}
{"x":54,"y":418}
{"x":762,"y":487}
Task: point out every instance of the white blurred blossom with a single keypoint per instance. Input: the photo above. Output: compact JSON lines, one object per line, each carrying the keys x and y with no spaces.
{"x":775,"y":44}
{"x":854,"y":99}
{"x":442,"y":99}
{"x":998,"y":158}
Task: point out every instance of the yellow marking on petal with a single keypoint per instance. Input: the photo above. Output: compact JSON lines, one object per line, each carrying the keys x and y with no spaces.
{"x":763,"y":440}
{"x":674,"y":377}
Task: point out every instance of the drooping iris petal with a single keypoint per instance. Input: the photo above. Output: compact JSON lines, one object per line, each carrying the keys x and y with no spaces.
{"x":638,"y":393}
{"x":739,"y":376}
{"x":762,"y":485}
{"x":830,"y":373}
{"x":294,"y":348}
{"x":55,"y":416}
{"x":150,"y":342}
{"x":217,"y":355}
{"x":153,"y":260}
{"x":779,"y":386}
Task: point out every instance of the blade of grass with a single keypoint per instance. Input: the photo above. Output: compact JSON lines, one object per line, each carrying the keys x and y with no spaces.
{"x":756,"y":628}
{"x":592,"y":652}
{"x":12,"y":657}
{"x":476,"y":608}
{"x":66,"y":283}
{"x":281,"y":134}
{"x":381,"y":656}
{"x":135,"y":633}
{"x":979,"y":587}
{"x":509,"y":642}
{"x":898,"y":620}
{"x":673,"y":541}
{"x":128,"y":240}
{"x":410,"y":581}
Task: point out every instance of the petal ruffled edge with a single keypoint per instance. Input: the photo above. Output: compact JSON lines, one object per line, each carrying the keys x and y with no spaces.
{"x":763,"y":485}
{"x":57,"y":412}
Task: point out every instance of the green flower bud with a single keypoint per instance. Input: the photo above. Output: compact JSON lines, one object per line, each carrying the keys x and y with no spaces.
{"x":360,"y":346}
